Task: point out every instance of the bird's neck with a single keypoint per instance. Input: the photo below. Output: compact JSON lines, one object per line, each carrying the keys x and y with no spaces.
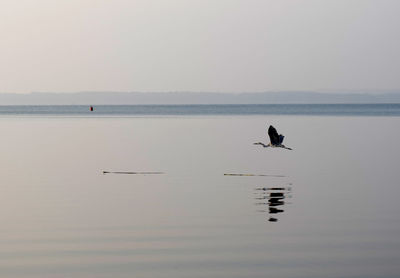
{"x":262,"y":144}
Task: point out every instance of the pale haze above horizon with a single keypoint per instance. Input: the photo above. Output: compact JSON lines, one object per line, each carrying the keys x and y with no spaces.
{"x":202,"y":45}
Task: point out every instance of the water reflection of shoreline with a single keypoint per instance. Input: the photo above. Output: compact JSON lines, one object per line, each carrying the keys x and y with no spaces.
{"x":272,"y":199}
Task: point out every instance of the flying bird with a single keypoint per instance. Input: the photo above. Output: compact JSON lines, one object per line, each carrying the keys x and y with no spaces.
{"x":275,"y":138}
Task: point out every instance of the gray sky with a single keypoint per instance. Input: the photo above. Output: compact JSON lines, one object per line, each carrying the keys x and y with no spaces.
{"x":198,"y":45}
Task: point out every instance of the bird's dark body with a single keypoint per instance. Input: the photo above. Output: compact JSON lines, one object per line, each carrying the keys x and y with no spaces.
{"x":275,"y":138}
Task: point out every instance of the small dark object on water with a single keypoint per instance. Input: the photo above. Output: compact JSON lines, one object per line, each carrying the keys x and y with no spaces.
{"x":132,"y":173}
{"x":91,"y":108}
{"x":253,"y":175}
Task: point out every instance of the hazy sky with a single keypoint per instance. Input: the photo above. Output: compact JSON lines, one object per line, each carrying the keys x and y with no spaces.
{"x":198,"y":45}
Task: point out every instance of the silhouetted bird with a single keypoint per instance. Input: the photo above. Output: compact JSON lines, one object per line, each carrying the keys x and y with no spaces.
{"x":275,"y":138}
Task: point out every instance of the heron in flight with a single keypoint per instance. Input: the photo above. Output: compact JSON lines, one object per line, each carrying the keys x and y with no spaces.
{"x":275,"y":138}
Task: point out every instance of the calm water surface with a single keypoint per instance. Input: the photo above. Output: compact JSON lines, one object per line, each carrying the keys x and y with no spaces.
{"x":329,"y":208}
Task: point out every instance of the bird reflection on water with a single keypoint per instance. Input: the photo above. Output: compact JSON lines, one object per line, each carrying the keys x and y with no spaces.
{"x":273,"y":198}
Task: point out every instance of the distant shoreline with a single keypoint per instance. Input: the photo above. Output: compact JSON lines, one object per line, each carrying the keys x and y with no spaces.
{"x":197,"y":98}
{"x":380,"y":109}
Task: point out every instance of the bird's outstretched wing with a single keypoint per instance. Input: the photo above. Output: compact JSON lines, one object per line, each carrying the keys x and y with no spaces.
{"x":273,"y":135}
